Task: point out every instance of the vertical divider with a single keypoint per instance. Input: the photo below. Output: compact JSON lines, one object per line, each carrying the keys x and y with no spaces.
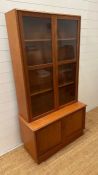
{"x":55,"y":65}
{"x":77,"y":55}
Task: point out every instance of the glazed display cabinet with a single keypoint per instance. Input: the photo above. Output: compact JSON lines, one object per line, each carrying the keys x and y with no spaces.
{"x":45,"y":56}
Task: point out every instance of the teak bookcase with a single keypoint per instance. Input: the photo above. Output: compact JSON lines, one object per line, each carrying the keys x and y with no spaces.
{"x":45,"y":56}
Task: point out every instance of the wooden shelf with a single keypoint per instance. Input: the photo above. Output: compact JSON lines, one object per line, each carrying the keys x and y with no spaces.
{"x":40,"y":66}
{"x":67,"y":39}
{"x":67,"y":61}
{"x":66,"y":84}
{"x":41,"y":92}
{"x":37,"y":40}
{"x":49,"y":39}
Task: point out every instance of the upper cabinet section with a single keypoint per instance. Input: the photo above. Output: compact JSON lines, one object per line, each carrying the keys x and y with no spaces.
{"x":46,"y":49}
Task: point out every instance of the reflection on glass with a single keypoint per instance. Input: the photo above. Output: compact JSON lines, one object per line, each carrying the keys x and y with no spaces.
{"x":38,"y":53}
{"x":36,"y":27}
{"x":66,"y":73}
{"x":66,"y":50}
{"x":41,"y":80}
{"x":67,"y":34}
{"x":66,"y":94}
{"x":37,"y":36}
{"x":67,"y":29}
{"x":42,"y":103}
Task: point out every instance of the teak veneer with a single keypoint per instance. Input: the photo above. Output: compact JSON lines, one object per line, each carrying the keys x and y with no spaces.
{"x":45,"y":55}
{"x":54,"y":116}
{"x":47,"y":135}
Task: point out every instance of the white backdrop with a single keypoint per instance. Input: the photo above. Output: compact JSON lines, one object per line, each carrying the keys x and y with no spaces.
{"x":88,"y":75}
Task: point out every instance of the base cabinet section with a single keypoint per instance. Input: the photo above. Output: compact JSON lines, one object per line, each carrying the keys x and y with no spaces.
{"x":43,"y":138}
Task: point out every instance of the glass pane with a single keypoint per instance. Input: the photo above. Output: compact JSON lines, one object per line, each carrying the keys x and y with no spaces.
{"x":67,"y":74}
{"x":41,"y":80}
{"x":38,"y":53}
{"x":66,"y":94}
{"x":37,"y":36}
{"x":67,"y":34}
{"x":67,"y":29}
{"x":42,"y":103}
{"x":66,"y":50}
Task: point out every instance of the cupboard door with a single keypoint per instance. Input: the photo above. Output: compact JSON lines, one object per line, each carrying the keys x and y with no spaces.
{"x":72,"y":124}
{"x":67,"y":59}
{"x":37,"y":39}
{"x":49,"y":137}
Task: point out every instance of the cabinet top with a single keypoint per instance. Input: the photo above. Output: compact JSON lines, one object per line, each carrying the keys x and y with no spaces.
{"x":54,"y":116}
{"x":43,"y":12}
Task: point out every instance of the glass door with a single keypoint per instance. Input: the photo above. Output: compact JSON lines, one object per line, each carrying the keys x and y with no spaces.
{"x":38,"y":50}
{"x":67,"y":57}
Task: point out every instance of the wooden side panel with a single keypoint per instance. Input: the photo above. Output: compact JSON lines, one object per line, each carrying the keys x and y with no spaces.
{"x":16,"y":55}
{"x":49,"y":137}
{"x":29,"y":139}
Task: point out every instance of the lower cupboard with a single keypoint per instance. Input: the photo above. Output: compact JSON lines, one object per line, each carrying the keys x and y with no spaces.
{"x":47,"y":135}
